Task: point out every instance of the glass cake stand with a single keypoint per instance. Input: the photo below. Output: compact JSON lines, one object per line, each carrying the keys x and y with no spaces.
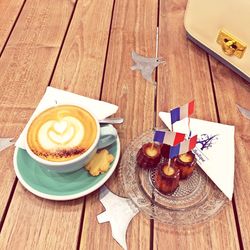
{"x":195,"y":201}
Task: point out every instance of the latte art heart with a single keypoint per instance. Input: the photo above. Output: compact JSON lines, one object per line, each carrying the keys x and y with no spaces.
{"x":62,"y":133}
{"x":68,"y":132}
{"x":62,"y":138}
{"x":60,"y":127}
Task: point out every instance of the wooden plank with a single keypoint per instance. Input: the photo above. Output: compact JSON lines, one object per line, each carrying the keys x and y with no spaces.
{"x":81,"y":43}
{"x":230,"y":90}
{"x":80,"y":69}
{"x":185,"y":76}
{"x":9,"y":129}
{"x":81,"y":63}
{"x":29,"y":57}
{"x":20,"y":65}
{"x":9,"y":11}
{"x":34,"y":223}
{"x":132,"y":29}
{"x":26,"y":67}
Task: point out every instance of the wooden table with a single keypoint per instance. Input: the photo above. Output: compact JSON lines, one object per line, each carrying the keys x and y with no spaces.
{"x":85,"y":47}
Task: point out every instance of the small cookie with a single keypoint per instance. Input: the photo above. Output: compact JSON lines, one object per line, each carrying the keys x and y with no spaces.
{"x":100,"y":162}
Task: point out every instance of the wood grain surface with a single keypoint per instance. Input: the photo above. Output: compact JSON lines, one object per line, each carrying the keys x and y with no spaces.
{"x":9,"y":11}
{"x":181,"y":79}
{"x":21,"y":70}
{"x":26,"y":67}
{"x":80,"y":69}
{"x":84,"y":46}
{"x":81,"y":64}
{"x":131,"y":30}
{"x":29,"y":57}
{"x":230,"y":90}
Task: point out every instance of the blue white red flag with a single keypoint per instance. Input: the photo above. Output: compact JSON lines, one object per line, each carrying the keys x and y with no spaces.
{"x":182,"y":112}
{"x":183,"y":147}
{"x":168,"y":137}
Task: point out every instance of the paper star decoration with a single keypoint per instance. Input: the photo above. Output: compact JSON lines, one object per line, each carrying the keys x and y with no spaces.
{"x":244,"y":112}
{"x":5,"y":143}
{"x":146,"y":65}
{"x":119,"y":212}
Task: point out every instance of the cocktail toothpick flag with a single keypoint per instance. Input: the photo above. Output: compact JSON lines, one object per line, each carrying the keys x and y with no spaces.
{"x":176,"y":140}
{"x":168,"y":137}
{"x":182,"y":112}
{"x":183,"y":147}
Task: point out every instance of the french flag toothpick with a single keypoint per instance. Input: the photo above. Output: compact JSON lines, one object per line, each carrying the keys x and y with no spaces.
{"x":182,"y":112}
{"x":168,"y":137}
{"x":183,"y":147}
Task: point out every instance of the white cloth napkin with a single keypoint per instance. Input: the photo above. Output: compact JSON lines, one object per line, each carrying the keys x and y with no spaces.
{"x":55,"y":96}
{"x":214,"y":150}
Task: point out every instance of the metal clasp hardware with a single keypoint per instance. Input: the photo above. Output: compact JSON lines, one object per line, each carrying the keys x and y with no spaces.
{"x":230,"y":44}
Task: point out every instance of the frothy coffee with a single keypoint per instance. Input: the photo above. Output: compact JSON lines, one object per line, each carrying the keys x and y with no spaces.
{"x":62,"y":133}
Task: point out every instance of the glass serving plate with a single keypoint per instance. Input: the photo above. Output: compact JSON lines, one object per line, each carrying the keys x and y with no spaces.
{"x":196,"y":199}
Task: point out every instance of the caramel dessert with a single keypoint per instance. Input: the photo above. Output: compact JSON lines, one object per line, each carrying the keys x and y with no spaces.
{"x":167,"y":178}
{"x":186,"y":164}
{"x":165,"y":149}
{"x":149,"y":155}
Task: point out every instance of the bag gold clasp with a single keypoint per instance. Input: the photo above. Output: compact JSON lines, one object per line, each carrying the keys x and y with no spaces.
{"x":230,"y":44}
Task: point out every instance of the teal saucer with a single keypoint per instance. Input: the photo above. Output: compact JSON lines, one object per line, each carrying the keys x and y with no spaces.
{"x":58,"y":186}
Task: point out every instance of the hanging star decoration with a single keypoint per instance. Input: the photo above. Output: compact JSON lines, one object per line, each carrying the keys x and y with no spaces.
{"x":119,"y":212}
{"x":146,"y":65}
{"x":5,"y":143}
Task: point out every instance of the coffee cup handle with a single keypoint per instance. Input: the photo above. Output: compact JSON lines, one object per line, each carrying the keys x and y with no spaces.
{"x":107,"y":136}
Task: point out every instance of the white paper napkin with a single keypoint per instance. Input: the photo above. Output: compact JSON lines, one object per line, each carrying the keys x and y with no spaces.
{"x":55,"y":96}
{"x":214,"y":150}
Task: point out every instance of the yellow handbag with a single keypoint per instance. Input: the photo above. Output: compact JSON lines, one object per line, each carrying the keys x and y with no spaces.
{"x":222,"y":28}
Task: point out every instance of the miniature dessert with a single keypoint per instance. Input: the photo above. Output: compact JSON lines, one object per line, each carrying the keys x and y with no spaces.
{"x":186,"y":163}
{"x":100,"y":162}
{"x":167,"y":178}
{"x":149,"y":155}
{"x":165,"y":151}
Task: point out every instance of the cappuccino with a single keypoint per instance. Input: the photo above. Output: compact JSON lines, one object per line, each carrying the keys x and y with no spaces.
{"x":62,"y":133}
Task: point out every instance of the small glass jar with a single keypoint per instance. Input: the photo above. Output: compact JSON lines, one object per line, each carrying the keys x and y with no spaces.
{"x":167,"y":178}
{"x":149,"y":155}
{"x":186,"y":164}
